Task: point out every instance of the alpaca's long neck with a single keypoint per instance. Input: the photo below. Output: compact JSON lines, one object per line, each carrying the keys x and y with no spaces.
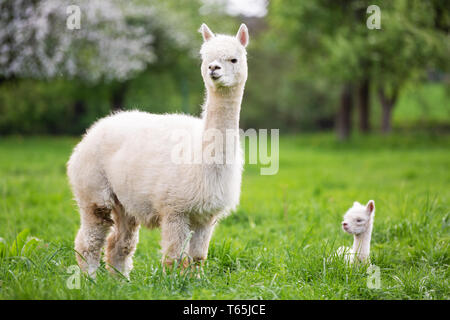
{"x":221,"y":121}
{"x":361,"y":243}
{"x":222,"y":108}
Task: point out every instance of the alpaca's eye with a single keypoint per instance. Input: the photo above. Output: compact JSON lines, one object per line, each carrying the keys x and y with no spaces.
{"x":358,"y":220}
{"x":233,"y":60}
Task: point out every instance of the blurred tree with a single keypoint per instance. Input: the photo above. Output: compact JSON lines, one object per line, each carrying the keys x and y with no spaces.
{"x":332,"y":36}
{"x":414,"y":40}
{"x":64,"y":103}
{"x":114,"y":42}
{"x":37,"y":43}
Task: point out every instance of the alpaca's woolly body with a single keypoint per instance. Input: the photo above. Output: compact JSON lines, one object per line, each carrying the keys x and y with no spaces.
{"x":122,"y":172}
{"x":128,"y":156}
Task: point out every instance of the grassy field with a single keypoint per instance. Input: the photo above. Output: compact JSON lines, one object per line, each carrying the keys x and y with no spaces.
{"x":277,"y":243}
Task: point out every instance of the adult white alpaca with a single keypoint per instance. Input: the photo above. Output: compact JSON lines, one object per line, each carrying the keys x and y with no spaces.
{"x":358,"y":220}
{"x":123,"y":173}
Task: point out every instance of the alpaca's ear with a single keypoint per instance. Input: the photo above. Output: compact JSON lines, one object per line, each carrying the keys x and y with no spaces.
{"x":356,"y":203}
{"x":206,"y":32}
{"x":370,"y":207}
{"x":242,"y":35}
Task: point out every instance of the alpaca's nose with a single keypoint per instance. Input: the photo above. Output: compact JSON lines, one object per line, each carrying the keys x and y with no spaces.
{"x":214,"y":67}
{"x":344,"y":224}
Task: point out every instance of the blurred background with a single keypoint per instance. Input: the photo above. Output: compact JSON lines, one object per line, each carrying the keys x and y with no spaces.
{"x":313,"y":65}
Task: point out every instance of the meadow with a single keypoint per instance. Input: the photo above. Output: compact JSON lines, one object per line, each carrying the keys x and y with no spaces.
{"x":275,"y":246}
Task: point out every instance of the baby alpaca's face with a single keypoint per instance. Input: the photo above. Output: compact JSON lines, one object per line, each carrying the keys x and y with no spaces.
{"x":357,"y":218}
{"x":224,"y":59}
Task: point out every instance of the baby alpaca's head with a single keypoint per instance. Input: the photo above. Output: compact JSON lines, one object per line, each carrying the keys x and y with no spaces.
{"x":224,"y":58}
{"x":359,"y":218}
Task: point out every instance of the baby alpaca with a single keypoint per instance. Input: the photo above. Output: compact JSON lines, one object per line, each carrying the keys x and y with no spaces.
{"x":358,"y":221}
{"x":123,"y":172}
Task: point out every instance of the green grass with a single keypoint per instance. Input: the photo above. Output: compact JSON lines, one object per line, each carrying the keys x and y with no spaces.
{"x":423,"y":105}
{"x":274,"y":247}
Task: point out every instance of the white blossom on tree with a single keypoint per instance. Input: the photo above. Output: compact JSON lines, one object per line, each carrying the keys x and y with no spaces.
{"x":114,"y":40}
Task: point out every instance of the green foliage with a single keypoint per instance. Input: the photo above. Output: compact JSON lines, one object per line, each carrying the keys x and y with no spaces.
{"x":35,"y":107}
{"x":333,"y":37}
{"x":274,"y":247}
{"x":299,"y":57}
{"x":411,"y":42}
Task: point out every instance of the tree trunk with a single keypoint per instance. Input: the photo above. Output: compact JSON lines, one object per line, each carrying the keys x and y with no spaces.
{"x":118,"y":96}
{"x":363,"y":106}
{"x":79,"y":109}
{"x":344,"y":116}
{"x":386,"y":112}
{"x":387,"y":104}
{"x":76,"y":123}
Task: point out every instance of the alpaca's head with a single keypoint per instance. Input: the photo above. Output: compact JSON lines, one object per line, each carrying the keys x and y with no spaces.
{"x":224,"y":58}
{"x":359,"y":218}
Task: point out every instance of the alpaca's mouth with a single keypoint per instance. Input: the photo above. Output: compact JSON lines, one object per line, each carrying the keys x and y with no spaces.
{"x":215,"y":76}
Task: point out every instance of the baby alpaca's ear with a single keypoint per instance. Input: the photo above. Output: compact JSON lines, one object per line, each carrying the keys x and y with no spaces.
{"x":242,"y":35}
{"x":370,"y":207}
{"x":206,"y":32}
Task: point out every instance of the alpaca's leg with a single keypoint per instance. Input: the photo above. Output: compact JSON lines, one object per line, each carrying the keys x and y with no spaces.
{"x":174,"y":236}
{"x":198,"y":246}
{"x":95,"y":225}
{"x":122,"y":243}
